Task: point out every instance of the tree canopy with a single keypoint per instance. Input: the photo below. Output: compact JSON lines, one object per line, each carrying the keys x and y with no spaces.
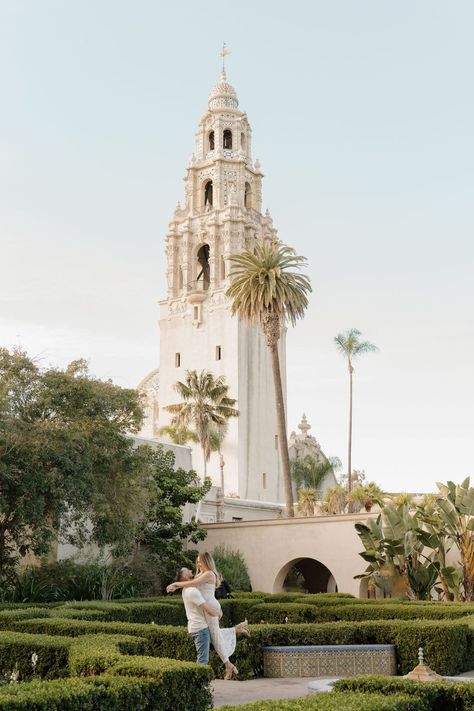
{"x":162,"y":528}
{"x":66,"y":464}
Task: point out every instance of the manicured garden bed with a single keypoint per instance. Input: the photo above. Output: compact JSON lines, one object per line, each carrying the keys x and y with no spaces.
{"x":137,"y":653}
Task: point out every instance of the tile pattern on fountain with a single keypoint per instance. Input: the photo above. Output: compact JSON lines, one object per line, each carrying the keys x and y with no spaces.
{"x":330,"y":660}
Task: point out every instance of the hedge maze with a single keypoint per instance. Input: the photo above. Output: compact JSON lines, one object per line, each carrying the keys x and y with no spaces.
{"x":136,"y":654}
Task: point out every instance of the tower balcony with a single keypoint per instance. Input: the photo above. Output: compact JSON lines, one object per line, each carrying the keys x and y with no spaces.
{"x":197,"y":291}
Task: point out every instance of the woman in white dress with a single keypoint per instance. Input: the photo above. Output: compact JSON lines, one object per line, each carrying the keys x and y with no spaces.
{"x":206,"y":580}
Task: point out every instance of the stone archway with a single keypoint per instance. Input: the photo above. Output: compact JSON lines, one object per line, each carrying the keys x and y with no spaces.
{"x":308,"y":573}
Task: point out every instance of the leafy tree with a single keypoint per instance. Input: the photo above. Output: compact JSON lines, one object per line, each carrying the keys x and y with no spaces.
{"x":266,"y":290}
{"x":65,"y":459}
{"x":233,"y":568}
{"x":162,"y":528}
{"x":205,"y":403}
{"x":452,"y":524}
{"x":397,"y":560}
{"x":350,"y":346}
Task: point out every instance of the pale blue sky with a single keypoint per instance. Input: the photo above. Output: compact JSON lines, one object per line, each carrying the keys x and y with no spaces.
{"x":362,"y":114}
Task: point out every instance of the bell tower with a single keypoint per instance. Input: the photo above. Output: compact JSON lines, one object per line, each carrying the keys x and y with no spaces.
{"x":221,"y":215}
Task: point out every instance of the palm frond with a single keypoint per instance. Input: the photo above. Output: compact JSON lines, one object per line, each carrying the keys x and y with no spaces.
{"x":264,"y":281}
{"x":205,"y":404}
{"x":350,"y":346}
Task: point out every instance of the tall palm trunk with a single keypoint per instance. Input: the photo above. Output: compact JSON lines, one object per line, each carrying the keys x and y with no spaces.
{"x":199,"y":506}
{"x":349,"y":454}
{"x":272,"y":342}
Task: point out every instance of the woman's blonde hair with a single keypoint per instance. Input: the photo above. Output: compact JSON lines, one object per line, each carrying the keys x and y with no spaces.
{"x":207,"y":559}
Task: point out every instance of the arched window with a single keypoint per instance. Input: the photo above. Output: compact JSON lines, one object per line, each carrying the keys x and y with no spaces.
{"x":211,"y":141}
{"x":208,"y":194}
{"x":227,"y":139}
{"x":203,"y":267}
{"x":242,"y":141}
{"x":222,"y":268}
{"x":247,"y":196}
{"x":180,"y":278}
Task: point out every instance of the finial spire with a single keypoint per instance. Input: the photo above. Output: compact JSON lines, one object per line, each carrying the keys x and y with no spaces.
{"x":224,"y":53}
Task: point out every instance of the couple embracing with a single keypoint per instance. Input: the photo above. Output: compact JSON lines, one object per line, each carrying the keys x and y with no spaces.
{"x":203,"y":612}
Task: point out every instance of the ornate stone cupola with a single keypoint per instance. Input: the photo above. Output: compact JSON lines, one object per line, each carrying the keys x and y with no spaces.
{"x":223,"y":198}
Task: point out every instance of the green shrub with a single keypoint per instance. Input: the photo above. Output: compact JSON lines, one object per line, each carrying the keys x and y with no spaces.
{"x":439,"y":696}
{"x":16,"y":650}
{"x":281,"y":613}
{"x":68,"y":580}
{"x":145,"y":612}
{"x":238,"y":609}
{"x":231,"y":565}
{"x":446,"y":645}
{"x":17,"y":613}
{"x":114,"y":693}
{"x":186,"y":682}
{"x":164,"y":684}
{"x":286,"y":597}
{"x":95,"y":654}
{"x":338,"y":702}
{"x":398,"y":612}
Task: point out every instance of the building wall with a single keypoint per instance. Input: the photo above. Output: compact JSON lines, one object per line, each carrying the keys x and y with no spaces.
{"x":270,"y":548}
{"x":216,"y":508}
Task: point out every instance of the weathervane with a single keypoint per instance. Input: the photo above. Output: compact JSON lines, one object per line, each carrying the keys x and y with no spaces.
{"x":224,"y":53}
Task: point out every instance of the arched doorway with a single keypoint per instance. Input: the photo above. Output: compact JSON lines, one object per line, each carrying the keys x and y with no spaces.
{"x":305,"y":575}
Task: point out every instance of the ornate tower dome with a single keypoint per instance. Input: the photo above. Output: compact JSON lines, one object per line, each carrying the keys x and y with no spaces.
{"x":223,"y":96}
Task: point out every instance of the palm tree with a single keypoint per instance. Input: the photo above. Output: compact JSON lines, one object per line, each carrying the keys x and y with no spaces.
{"x":309,"y":473}
{"x":217,"y":435}
{"x":307,"y":500}
{"x":179,"y":435}
{"x":265,"y":290}
{"x":350,"y":346}
{"x":205,"y":402}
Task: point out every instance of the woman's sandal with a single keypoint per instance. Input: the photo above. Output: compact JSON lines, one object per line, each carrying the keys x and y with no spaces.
{"x":231,"y":672}
{"x":242,"y":628}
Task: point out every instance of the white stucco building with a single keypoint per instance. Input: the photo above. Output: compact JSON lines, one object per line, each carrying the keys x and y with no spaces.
{"x":221,"y":215}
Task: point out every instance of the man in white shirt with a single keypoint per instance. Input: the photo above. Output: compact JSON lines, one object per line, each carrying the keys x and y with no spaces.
{"x":195,"y":607}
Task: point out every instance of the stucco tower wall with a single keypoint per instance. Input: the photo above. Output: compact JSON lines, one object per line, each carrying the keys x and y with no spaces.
{"x":259,"y":459}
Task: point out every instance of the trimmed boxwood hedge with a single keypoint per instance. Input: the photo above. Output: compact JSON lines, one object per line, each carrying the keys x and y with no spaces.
{"x":439,"y":696}
{"x":16,"y":649}
{"x":159,"y":613}
{"x":283,"y":612}
{"x":338,"y":702}
{"x":397,"y":611}
{"x":113,"y":693}
{"x":446,"y":645}
{"x":148,"y":683}
{"x":278,"y":613}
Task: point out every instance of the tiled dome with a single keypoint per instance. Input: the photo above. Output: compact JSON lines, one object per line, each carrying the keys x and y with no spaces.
{"x":223,"y":96}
